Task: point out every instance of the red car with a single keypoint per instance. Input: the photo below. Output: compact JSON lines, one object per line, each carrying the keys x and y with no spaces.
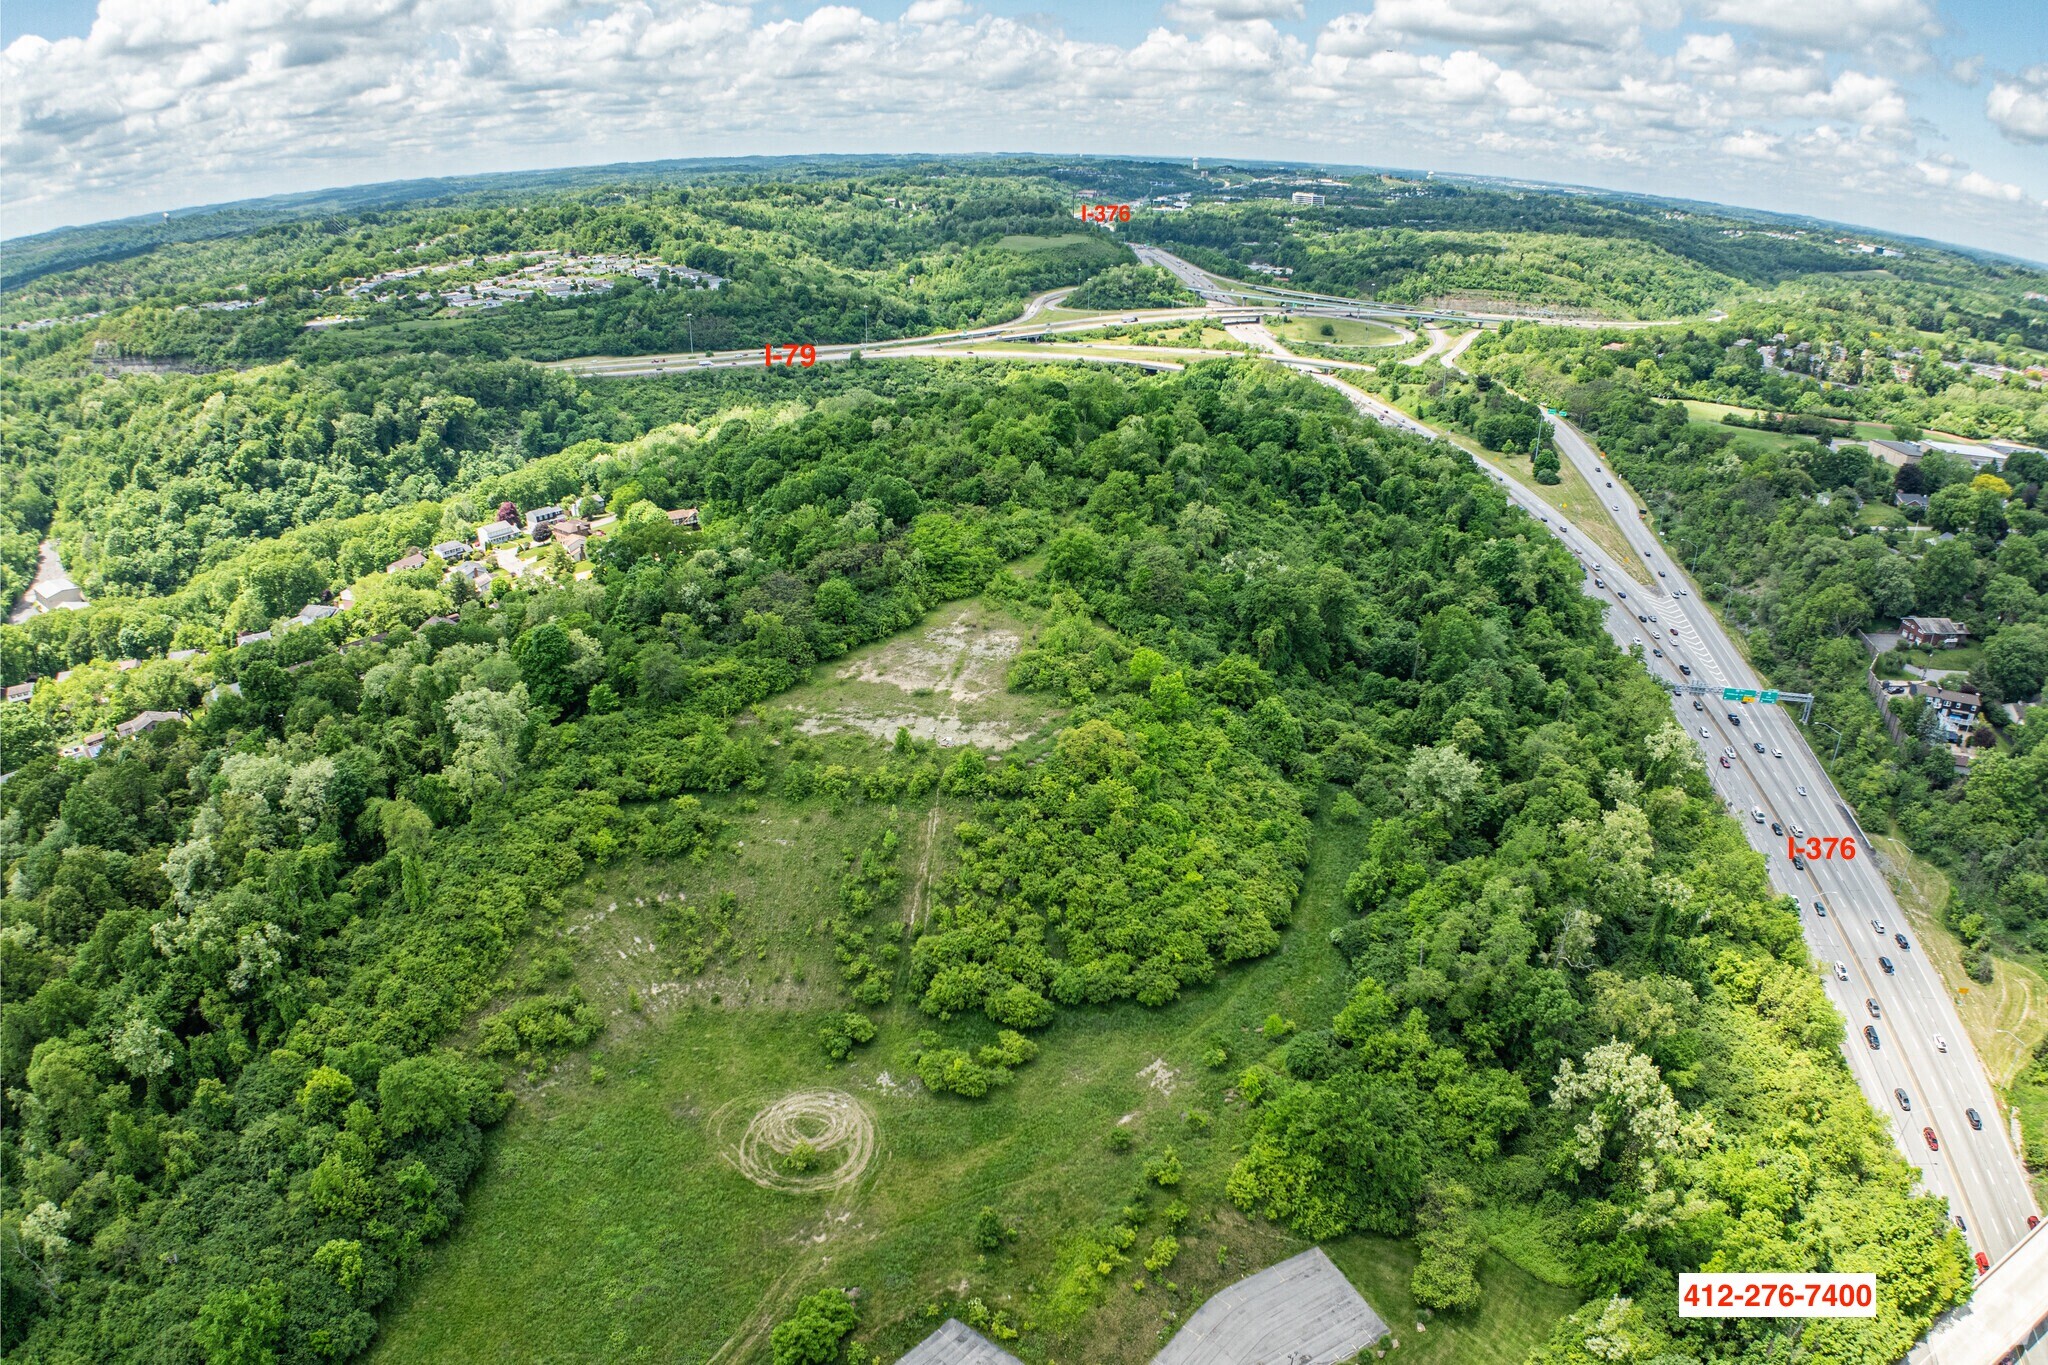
{"x":2033,"y":1220}
{"x":1983,"y":1263}
{"x":1932,"y":1144}
{"x":1724,"y":760}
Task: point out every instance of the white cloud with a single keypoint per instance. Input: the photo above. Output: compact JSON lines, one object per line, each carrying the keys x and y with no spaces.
{"x":1832,"y":24}
{"x":1231,"y":11}
{"x":172,"y":102}
{"x":2019,"y":107}
{"x":1946,"y":173}
{"x":936,"y":11}
{"x":1508,"y":23}
{"x":1752,"y":145}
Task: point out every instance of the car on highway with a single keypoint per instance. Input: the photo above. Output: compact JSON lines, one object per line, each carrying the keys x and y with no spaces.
{"x":1820,"y":910}
{"x":1871,"y":1005}
{"x":1904,"y":946}
{"x":1870,"y":1035}
{"x":1756,"y":745}
{"x":1940,"y":1043}
{"x":1610,"y":483}
{"x":1799,"y":831}
{"x":1799,"y":862}
{"x":1673,"y":630}
{"x":1933,"y":1144}
{"x":1642,"y":618}
{"x":1613,"y":507}
{"x":1622,"y":595}
{"x":1777,"y":753}
{"x":1734,"y":719}
{"x":1777,"y":828}
{"x":1687,"y":670}
{"x":1658,"y":652}
{"x":704,"y":362}
{"x":1757,"y":814}
{"x":1886,"y":963}
{"x":1961,"y":1226}
{"x":1599,"y":582}
{"x":1704,"y":734}
{"x":1802,"y":791}
{"x":1724,"y":761}
{"x":1905,"y":1102}
{"x":1983,"y":1264}
{"x":1878,"y":926}
{"x":1841,"y":972}
{"x":1697,"y":704}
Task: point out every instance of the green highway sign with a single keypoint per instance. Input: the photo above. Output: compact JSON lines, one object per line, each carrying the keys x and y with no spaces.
{"x":1770,"y":694}
{"x":1744,"y":694}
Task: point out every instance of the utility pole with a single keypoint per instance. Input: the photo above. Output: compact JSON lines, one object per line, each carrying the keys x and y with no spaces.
{"x":863,"y":326}
{"x":690,"y":321}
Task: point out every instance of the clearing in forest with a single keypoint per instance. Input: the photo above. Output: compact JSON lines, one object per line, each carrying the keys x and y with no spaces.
{"x":946,"y":680}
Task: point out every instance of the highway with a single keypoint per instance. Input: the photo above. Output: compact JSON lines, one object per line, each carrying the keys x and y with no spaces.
{"x":1922,"y":1049}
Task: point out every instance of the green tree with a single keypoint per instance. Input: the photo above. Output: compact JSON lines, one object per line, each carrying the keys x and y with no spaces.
{"x":814,"y":1332}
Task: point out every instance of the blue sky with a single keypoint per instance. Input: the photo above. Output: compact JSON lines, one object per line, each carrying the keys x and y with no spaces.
{"x":1927,"y":117}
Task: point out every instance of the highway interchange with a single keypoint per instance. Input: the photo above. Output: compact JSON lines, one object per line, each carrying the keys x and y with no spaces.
{"x":1922,"y":1051}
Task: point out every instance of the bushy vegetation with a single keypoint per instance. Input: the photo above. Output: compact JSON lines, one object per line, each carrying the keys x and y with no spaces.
{"x":1775,"y":533}
{"x":1131,"y":286}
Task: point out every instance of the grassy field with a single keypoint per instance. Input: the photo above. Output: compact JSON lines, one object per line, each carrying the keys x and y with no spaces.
{"x":1573,"y":497}
{"x":1516,"y":1316}
{"x":1335,"y":332}
{"x":613,"y":1221}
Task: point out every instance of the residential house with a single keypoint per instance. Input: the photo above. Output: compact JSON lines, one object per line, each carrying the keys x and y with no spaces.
{"x":89,"y":747}
{"x":542,"y":516}
{"x":250,"y":637}
{"x":448,"y":551}
{"x":590,"y":505}
{"x":495,"y":533}
{"x":22,"y":691}
{"x":440,"y":621}
{"x":313,"y":611}
{"x":1918,"y":500}
{"x":127,"y":665}
{"x":178,"y":656}
{"x":476,"y":571}
{"x":145,"y":722}
{"x":1955,"y":713}
{"x":684,"y":517}
{"x":346,"y":600}
{"x":572,"y":544}
{"x":412,"y":559}
{"x":1932,"y":632}
{"x":1897,"y":454}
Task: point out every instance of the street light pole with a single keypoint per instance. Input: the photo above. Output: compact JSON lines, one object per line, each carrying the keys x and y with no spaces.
{"x":690,"y":321}
{"x":1838,"y":738}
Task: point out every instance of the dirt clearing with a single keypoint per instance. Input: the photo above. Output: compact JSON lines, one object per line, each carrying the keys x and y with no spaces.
{"x":946,"y":680}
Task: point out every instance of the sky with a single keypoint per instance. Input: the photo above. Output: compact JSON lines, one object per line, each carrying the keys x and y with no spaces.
{"x":1924,"y":117}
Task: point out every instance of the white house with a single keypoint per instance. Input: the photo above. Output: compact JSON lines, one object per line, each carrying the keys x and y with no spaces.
{"x":541,"y":516}
{"x":495,"y":533}
{"x":448,"y":551}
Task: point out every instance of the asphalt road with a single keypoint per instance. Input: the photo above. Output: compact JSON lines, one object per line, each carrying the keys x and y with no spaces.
{"x":1921,"y":1048}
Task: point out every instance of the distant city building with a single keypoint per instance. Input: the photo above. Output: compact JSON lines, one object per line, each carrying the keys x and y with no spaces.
{"x":1306,"y":198}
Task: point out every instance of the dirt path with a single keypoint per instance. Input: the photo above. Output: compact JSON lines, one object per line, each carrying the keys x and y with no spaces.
{"x":921,"y":887}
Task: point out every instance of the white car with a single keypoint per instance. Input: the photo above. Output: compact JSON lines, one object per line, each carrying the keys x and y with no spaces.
{"x":1730,"y":753}
{"x":1756,"y":813}
{"x":1704,"y":734}
{"x":1778,"y":753}
{"x":1841,"y":972}
{"x":1802,"y":791}
{"x":1940,"y":1043}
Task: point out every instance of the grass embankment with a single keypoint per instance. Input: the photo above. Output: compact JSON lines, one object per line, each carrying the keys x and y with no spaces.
{"x":2006,"y":1019}
{"x":1572,"y":497}
{"x":1335,"y":332}
{"x":612,"y":1223}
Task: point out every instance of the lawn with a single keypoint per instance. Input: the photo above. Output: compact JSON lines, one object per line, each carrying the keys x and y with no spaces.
{"x":1574,"y":498}
{"x":1514,"y":1317}
{"x":1335,"y":332}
